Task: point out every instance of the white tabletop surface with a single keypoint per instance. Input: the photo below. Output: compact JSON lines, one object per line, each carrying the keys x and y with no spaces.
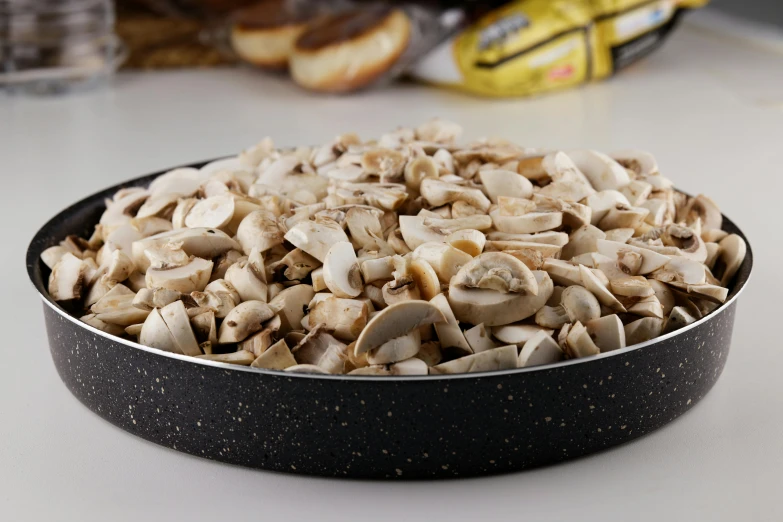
{"x":711,"y":109}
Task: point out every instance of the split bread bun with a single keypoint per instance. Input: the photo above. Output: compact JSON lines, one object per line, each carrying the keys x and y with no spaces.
{"x":264,"y":34}
{"x":350,"y":50}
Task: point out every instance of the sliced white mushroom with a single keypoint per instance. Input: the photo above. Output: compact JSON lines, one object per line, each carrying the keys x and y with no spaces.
{"x":395,"y":321}
{"x":703,"y":208}
{"x":444,"y":259}
{"x":529,"y":223}
{"x":546,"y":250}
{"x":244,"y":320}
{"x":346,"y":318}
{"x":549,"y":238}
{"x":248,"y":277}
{"x":111,"y":329}
{"x":316,"y":237}
{"x":206,"y":243}
{"x":396,"y":349}
{"x":412,"y":366}
{"x":205,"y":328}
{"x":190,"y":277}
{"x":643,"y":330}
{"x":496,"y":271}
{"x":341,"y":271}
{"x":681,"y":270}
{"x":603,"y":172}
{"x":578,"y":342}
{"x":602,"y":202}
{"x":67,"y":278}
{"x":260,"y":230}
{"x":503,"y":358}
{"x":156,"y":334}
{"x":418,"y":169}
{"x":438,"y":192}
{"x":493,"y":308}
{"x":241,"y":357}
{"x":642,"y":163}
{"x":731,"y":253}
{"x":122,"y":210}
{"x":518,"y":334}
{"x":631,"y":286}
{"x":425,"y":278}
{"x":317,"y":277}
{"x":650,"y":260}
{"x":178,"y":323}
{"x":116,"y":307}
{"x":714,"y":293}
{"x":479,"y":338}
{"x":290,"y":305}
{"x":214,"y":212}
{"x":539,"y":349}
{"x":607,"y":333}
{"x":591,"y":282}
{"x":505,"y":183}
{"x":678,"y":318}
{"x":415,"y":232}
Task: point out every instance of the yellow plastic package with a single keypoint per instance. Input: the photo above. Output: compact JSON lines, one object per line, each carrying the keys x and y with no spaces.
{"x":532,"y":46}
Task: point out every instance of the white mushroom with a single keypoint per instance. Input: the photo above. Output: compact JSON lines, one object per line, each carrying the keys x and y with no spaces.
{"x":116,"y":307}
{"x":642,"y":163}
{"x":577,"y":304}
{"x":276,"y":357}
{"x":650,"y":260}
{"x":190,"y":277}
{"x":377,"y":269}
{"x":438,"y":193}
{"x":412,"y":366}
{"x":518,"y":334}
{"x":214,"y":212}
{"x":341,"y":271}
{"x":260,"y":230}
{"x":248,"y":277}
{"x":247,"y":318}
{"x":156,"y":334}
{"x":504,"y":358}
{"x":316,"y":237}
{"x":418,"y":169}
{"x":591,"y":282}
{"x":529,"y":223}
{"x":241,"y":357}
{"x":681,"y":270}
{"x":396,"y":349}
{"x":425,"y":278}
{"x":415,"y":232}
{"x":67,"y":278}
{"x":602,"y":202}
{"x":505,"y":183}
{"x":539,"y":349}
{"x":317,"y":277}
{"x":493,"y":308}
{"x":470,"y":241}
{"x":178,"y":323}
{"x":607,"y":333}
{"x":479,"y":338}
{"x":678,"y":318}
{"x":111,"y":329}
{"x":603,"y":172}
{"x":444,"y":259}
{"x":290,"y":305}
{"x":346,"y":318}
{"x":206,"y":243}
{"x":578,"y":342}
{"x":731,"y":253}
{"x":395,"y":321}
{"x":496,"y":271}
{"x":643,"y":330}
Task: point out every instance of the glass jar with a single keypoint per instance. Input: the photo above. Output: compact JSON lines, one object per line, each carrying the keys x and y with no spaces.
{"x":52,"y":46}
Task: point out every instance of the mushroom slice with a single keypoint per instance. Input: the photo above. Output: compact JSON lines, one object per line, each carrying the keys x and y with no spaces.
{"x":116,"y":307}
{"x":599,"y":290}
{"x":260,"y":230}
{"x":703,"y":208}
{"x":552,"y":316}
{"x":539,"y":349}
{"x":418,"y":169}
{"x":395,"y":321}
{"x":505,"y":183}
{"x":386,"y":163}
{"x":688,"y":243}
{"x":346,"y":318}
{"x":619,"y":235}
{"x":396,"y":349}
{"x":111,"y":329}
{"x":438,"y":130}
{"x":496,"y":271}
{"x":412,"y":366}
{"x":247,"y":318}
{"x":714,"y":293}
{"x":341,"y":271}
{"x":52,"y":255}
{"x":562,"y":272}
{"x":241,"y":357}
{"x":454,"y":224}
{"x":375,"y":370}
{"x":603,"y":172}
{"x":640,"y":162}
{"x":713,"y":235}
{"x":544,"y":249}
{"x":658,"y":209}
{"x":503,"y":358}
{"x":446,"y":260}
{"x":430,"y":353}
{"x":623,"y":216}
{"x":664,"y":295}
{"x":290,"y":305}
{"x":529,"y":223}
{"x":645,"y":306}
{"x":631,"y":286}
{"x":67,"y":278}
{"x":650,"y":260}
{"x":579,"y":305}
{"x":204,"y":328}
{"x":567,"y":191}
{"x":549,"y":238}
{"x":469,"y":241}
{"x":206,"y":243}
{"x":317,"y":277}
{"x":607,"y":333}
{"x":602,"y":202}
{"x":321,"y":349}
{"x":178,"y":323}
{"x":306,"y":368}
{"x":438,"y":193}
{"x":191,"y":277}
{"x":582,"y":240}
{"x":316,"y":237}
{"x":257,"y":343}
{"x":578,"y":342}
{"x":156,"y":334}
{"x":518,"y":334}
{"x":637,"y":192}
{"x":248,"y":277}
{"x":643,"y":330}
{"x":478,"y":338}
{"x":493,"y":308}
{"x":121,"y":210}
{"x":425,"y":279}
{"x":532,"y":168}
{"x":214,"y":212}
{"x":378,"y":269}
{"x":731,"y":253}
{"x":678,"y":318}
{"x":415,"y":232}
{"x":681,"y":270}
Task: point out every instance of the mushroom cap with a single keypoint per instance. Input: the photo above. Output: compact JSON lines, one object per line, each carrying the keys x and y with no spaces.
{"x":497,"y":271}
{"x":247,"y":318}
{"x":67,"y":278}
{"x":580,"y":304}
{"x":479,"y":338}
{"x":603,"y":172}
{"x":396,"y":349}
{"x":260,"y":230}
{"x":276,"y":357}
{"x":156,"y":334}
{"x":607,"y":332}
{"x":341,"y":270}
{"x":412,"y":366}
{"x":415,"y":232}
{"x":650,"y":260}
{"x":681,"y":270}
{"x":643,"y":330}
{"x":539,"y":349}
{"x":529,"y":223}
{"x":518,"y":334}
{"x":639,"y":161}
{"x":493,"y":308}
{"x":396,"y":321}
{"x":213,"y":212}
{"x":425,"y":279}
{"x":290,"y":305}
{"x":732,"y":252}
{"x":446,"y":260}
{"x":316,"y":237}
{"x":206,"y":243}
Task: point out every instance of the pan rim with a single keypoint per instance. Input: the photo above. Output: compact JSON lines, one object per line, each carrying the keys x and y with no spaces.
{"x":33,"y":257}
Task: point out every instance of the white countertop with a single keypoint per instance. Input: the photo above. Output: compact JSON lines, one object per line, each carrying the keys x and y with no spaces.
{"x":710,"y":107}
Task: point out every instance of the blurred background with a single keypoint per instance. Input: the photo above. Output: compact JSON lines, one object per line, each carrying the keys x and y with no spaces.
{"x":492,"y":48}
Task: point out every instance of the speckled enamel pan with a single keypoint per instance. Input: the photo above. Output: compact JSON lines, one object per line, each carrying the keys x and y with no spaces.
{"x":379,"y":427}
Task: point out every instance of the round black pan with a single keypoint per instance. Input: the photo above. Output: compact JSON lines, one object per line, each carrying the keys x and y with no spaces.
{"x":379,"y":427}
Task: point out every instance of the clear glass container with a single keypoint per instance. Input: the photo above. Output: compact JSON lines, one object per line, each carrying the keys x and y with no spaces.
{"x":53,"y":46}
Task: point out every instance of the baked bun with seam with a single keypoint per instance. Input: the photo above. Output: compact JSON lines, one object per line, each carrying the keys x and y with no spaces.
{"x":350,"y":50}
{"x":264,"y":34}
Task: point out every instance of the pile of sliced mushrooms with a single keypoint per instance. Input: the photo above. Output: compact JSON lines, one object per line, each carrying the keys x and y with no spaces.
{"x":406,"y":255}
